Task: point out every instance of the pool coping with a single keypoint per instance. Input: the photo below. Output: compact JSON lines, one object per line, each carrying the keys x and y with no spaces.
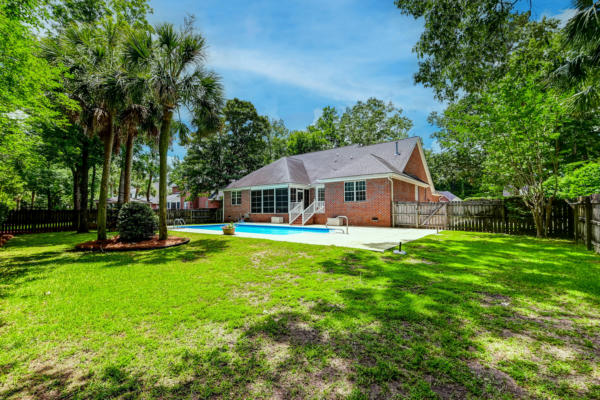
{"x":368,"y":238}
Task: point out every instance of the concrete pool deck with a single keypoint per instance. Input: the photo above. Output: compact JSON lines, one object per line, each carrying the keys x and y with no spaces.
{"x":358,"y":237}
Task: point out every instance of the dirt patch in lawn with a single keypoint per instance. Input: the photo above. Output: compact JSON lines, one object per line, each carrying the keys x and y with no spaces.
{"x":114,"y":244}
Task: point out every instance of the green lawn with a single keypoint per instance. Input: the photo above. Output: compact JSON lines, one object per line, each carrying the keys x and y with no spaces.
{"x":462,"y":316}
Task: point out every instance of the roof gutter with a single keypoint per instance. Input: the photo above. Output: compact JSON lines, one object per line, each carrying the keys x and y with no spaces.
{"x":375,"y":176}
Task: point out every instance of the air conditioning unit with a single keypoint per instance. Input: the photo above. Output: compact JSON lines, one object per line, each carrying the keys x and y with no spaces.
{"x":277,"y":220}
{"x":334,"y":221}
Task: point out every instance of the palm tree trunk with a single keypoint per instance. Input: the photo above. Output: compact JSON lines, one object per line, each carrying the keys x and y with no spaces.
{"x":93,"y":188}
{"x":82,"y":226}
{"x":103,"y":199}
{"x":128,"y":159}
{"x":76,"y":171}
{"x":121,"y":193}
{"x":149,"y":188}
{"x":163,"y":146}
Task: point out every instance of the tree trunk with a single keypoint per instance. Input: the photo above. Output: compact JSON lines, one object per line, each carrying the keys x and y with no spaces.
{"x":76,"y":196}
{"x":149,"y":188}
{"x":82,"y":226}
{"x":108,"y":140}
{"x":548,"y":217}
{"x":49,"y":195}
{"x":121,"y":193}
{"x":163,"y":146}
{"x":32,"y":199}
{"x":538,"y":219}
{"x":128,"y":161}
{"x":93,"y":188}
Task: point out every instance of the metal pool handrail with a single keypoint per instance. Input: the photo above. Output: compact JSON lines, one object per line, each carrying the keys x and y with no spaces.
{"x":347,"y":224}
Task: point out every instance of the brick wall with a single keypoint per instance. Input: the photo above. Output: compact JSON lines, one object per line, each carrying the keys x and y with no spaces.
{"x":377,"y":204}
{"x":403,"y":191}
{"x":415,"y":166}
{"x":234,"y":213}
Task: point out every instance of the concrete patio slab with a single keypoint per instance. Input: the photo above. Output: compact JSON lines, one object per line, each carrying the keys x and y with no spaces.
{"x":358,"y":237}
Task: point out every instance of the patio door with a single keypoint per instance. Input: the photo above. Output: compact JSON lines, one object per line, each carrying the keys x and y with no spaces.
{"x":306,"y":198}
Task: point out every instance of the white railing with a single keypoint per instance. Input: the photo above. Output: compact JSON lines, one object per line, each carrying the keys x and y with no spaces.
{"x":308,"y":213}
{"x":319,"y":207}
{"x":295,"y":211}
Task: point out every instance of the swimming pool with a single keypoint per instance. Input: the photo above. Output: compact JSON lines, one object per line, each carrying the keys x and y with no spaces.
{"x":263,"y":229}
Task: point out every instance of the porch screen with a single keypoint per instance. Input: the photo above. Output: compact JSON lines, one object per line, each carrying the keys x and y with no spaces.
{"x":281,"y":200}
{"x":268,"y":201}
{"x":256,"y":201}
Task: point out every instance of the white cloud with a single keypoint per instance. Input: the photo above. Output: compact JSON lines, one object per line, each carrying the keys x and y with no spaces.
{"x":564,"y":16}
{"x":341,"y":79}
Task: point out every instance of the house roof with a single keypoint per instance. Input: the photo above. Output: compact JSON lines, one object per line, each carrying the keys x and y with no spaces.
{"x":449,"y":195}
{"x":341,"y":162}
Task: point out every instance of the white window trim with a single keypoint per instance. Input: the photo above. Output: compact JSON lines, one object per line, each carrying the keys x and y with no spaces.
{"x":416,"y":193}
{"x":355,"y":201}
{"x":231,"y":200}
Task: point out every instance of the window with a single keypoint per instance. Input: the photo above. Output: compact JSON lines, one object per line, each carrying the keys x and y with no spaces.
{"x":355,"y":191}
{"x":321,"y":194}
{"x":281,"y":200}
{"x":361,"y":190}
{"x":236,"y":198}
{"x":256,"y":201}
{"x":268,"y":201}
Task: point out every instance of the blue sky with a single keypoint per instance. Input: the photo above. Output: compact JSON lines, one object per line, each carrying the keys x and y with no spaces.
{"x":292,"y":58}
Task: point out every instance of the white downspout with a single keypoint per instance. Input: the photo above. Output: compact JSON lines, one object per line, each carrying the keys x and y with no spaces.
{"x":392,"y":200}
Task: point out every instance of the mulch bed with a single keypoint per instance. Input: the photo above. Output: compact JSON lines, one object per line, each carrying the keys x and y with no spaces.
{"x":114,"y":244}
{"x":5,"y":238}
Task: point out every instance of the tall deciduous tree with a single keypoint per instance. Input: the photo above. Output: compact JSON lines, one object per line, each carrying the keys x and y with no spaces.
{"x":174,"y":62}
{"x":517,"y":123}
{"x":239,"y":148}
{"x":25,"y":82}
{"x":371,"y":122}
{"x":466,"y":44}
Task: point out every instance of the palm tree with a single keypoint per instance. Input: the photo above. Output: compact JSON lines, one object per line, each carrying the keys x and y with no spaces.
{"x":174,"y":64}
{"x":582,"y":70}
{"x":99,"y":83}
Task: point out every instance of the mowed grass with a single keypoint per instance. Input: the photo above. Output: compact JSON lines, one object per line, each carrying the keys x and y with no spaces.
{"x":462,"y":316}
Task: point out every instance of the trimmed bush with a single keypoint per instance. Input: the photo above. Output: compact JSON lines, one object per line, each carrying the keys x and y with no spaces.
{"x":136,"y":222}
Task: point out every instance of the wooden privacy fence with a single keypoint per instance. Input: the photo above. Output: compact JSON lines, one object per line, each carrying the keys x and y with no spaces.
{"x":496,"y":216}
{"x":587,"y":221}
{"x":35,"y":221}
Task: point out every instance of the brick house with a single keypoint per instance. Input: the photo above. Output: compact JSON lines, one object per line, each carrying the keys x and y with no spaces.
{"x":359,"y":182}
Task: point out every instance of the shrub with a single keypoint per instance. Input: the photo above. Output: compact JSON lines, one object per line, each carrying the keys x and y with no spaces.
{"x":136,"y":222}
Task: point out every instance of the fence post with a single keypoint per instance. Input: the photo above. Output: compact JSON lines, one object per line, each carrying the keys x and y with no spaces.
{"x":576,"y":220}
{"x":588,"y":222}
{"x":417,"y":215}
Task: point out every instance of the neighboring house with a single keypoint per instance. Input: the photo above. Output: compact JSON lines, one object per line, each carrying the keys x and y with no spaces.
{"x":359,"y":182}
{"x":187,"y":203}
{"x":448,"y":196}
{"x":176,"y":200}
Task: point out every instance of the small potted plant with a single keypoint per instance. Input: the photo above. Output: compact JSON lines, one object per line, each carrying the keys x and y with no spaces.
{"x":229,"y":229}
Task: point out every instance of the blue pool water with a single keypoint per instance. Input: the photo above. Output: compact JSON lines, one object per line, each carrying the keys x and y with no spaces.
{"x":263,"y":229}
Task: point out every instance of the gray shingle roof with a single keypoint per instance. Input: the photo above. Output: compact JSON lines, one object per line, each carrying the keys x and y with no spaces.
{"x":354,"y":160}
{"x":449,"y":195}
